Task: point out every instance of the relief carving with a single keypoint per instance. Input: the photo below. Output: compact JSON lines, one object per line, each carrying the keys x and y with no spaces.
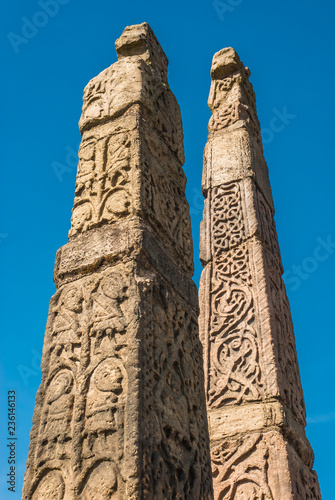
{"x":235,"y":374}
{"x":95,"y":105}
{"x":121,"y":408}
{"x":56,"y":428}
{"x":290,"y":384}
{"x":231,"y":113}
{"x":247,"y":331}
{"x":240,"y":469}
{"x":87,"y":377}
{"x":228,"y":226}
{"x":50,"y":487}
{"x":232,"y":98}
{"x":101,"y":483}
{"x":165,"y":204}
{"x":102,"y":192}
{"x":108,"y":301}
{"x":105,"y":402}
{"x":269,"y":233}
{"x":173,"y":461}
{"x":67,"y":330}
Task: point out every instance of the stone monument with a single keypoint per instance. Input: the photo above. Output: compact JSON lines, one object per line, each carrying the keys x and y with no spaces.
{"x":121,"y":409}
{"x":254,"y":397}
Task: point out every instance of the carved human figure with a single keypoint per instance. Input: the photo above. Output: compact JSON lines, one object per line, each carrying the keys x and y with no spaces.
{"x":56,"y":426}
{"x":108,"y":314}
{"x":104,"y":412}
{"x":66,"y":333}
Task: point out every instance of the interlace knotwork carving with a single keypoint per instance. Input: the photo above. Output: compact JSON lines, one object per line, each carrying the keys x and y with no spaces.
{"x":235,"y":373}
{"x":228,"y":229}
{"x":240,"y":469}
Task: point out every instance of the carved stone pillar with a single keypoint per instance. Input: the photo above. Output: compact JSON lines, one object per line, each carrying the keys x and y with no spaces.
{"x":121,"y":410}
{"x":255,"y":402}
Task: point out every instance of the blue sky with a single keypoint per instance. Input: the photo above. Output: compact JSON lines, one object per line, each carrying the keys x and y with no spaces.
{"x":48,"y":59}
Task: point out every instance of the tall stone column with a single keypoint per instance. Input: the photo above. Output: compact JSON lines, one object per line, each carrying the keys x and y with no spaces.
{"x":121,"y":409}
{"x":255,"y":402}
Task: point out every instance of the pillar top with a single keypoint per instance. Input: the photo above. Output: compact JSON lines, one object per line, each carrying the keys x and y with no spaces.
{"x":230,"y":81}
{"x":225,"y":63}
{"x":140,"y":40}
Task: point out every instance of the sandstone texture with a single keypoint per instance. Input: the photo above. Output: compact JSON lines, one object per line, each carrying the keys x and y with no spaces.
{"x":121,"y":409}
{"x":254,"y":397}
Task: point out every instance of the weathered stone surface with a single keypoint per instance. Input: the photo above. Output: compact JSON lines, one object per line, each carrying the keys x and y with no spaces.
{"x":261,"y":465}
{"x":124,"y":240}
{"x":232,"y":156}
{"x":121,"y":410}
{"x":254,"y":397}
{"x":126,"y":169}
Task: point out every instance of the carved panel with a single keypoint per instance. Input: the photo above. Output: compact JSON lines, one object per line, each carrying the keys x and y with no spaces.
{"x":175,"y":460}
{"x":232,"y":112}
{"x":226,"y":116}
{"x":239,"y":211}
{"x":228,"y":225}
{"x":82,"y":420}
{"x":235,"y":373}
{"x":86,"y":428}
{"x":232,"y":88}
{"x":50,"y":487}
{"x":287,"y":363}
{"x":117,"y":177}
{"x":163,"y":113}
{"x":105,"y":407}
{"x":245,"y":316}
{"x":129,"y":82}
{"x":110,"y":93}
{"x":261,"y":465}
{"x":109,"y":313}
{"x":153,"y":146}
{"x":268,"y":230}
{"x":165,"y":206}
{"x":66,"y":328}
{"x":240,"y":469}
{"x":56,"y":424}
{"x":101,"y":483}
{"x":103,"y":191}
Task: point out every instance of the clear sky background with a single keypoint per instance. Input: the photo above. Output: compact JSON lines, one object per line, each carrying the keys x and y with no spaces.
{"x":289,"y":47}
